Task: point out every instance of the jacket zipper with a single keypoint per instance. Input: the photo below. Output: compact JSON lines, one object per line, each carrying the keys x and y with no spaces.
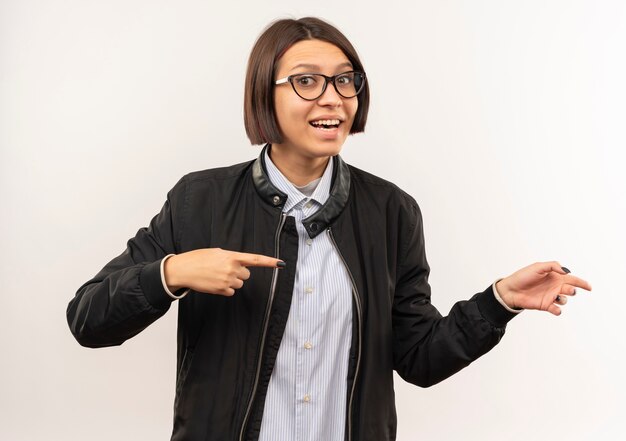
{"x":265,"y":324}
{"x":357,"y":301}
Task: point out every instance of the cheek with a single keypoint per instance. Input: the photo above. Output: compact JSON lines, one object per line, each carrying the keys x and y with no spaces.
{"x":290,"y":111}
{"x":351,"y":108}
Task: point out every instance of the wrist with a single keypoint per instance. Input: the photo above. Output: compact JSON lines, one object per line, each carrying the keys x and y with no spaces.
{"x":506,"y":295}
{"x":171,"y":273}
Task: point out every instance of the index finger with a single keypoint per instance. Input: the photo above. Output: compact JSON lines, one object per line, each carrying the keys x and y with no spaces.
{"x":248,"y":259}
{"x":546,"y":267}
{"x":577,"y":281}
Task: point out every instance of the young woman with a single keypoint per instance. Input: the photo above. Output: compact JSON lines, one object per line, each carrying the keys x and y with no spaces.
{"x":302,"y":282}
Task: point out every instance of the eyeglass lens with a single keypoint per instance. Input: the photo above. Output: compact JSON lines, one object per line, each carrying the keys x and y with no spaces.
{"x":311,"y":86}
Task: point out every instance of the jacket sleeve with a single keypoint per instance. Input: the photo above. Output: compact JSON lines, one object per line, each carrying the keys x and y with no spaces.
{"x":127,"y":294}
{"x":428,"y":348}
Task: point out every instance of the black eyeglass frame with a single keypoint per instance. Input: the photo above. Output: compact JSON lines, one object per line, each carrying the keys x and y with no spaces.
{"x":327,"y":80}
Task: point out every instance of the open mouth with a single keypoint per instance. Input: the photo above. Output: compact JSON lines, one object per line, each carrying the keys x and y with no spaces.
{"x":326,"y":124}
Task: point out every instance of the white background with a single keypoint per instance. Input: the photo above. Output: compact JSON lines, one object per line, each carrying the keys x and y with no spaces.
{"x":504,"y":119}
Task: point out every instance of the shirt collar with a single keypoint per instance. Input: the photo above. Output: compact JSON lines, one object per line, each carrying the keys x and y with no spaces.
{"x":294,"y":196}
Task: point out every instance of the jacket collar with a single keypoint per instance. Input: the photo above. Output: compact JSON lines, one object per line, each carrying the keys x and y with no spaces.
{"x":326,"y":215}
{"x":294,"y":195}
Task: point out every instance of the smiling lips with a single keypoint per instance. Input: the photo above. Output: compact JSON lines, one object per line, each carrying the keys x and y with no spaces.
{"x":326,"y":124}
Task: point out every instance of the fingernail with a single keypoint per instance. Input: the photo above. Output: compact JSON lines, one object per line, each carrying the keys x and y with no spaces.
{"x":558,"y":299}
{"x":565,"y":269}
{"x":281,"y":264}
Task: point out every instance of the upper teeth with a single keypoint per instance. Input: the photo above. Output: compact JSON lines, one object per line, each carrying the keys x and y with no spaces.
{"x":326,"y":122}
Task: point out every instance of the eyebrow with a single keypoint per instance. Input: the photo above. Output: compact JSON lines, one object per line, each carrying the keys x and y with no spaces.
{"x":315,"y":66}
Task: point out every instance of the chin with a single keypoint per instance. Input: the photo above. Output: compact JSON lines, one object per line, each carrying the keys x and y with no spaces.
{"x":314,"y":148}
{"x":323,"y":151}
{"x":327,"y":147}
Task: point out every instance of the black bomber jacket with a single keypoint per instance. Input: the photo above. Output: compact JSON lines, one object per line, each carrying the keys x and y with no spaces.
{"x":227,"y":346}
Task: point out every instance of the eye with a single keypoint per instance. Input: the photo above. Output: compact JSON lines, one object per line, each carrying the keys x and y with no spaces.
{"x":344,"y":79}
{"x":306,"y":81}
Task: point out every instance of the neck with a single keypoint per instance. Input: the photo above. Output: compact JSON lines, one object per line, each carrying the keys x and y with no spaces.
{"x":297,"y":169}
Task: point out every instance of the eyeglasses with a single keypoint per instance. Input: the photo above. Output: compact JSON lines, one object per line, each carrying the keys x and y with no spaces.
{"x":310,"y":87}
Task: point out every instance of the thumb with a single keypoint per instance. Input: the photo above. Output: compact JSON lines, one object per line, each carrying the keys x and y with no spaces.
{"x":546,"y":267}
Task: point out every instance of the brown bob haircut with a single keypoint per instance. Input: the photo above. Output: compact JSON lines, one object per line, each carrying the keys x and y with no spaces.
{"x":278,"y":37}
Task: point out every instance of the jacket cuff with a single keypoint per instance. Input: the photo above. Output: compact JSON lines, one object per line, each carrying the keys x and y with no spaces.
{"x":492,"y":310}
{"x":152,"y":287}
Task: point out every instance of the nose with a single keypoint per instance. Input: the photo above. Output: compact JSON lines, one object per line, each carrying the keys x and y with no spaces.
{"x":330,"y":97}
